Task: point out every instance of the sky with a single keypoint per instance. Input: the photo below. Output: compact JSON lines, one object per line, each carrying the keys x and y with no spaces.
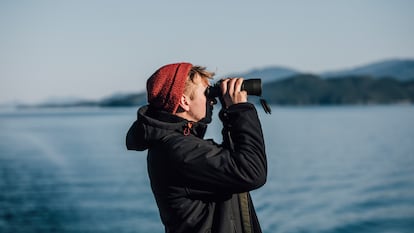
{"x":92,"y":49}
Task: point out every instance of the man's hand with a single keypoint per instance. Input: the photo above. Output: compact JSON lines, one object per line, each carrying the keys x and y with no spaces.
{"x":231,"y":91}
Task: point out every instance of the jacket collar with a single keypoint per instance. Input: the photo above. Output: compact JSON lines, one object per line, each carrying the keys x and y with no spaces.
{"x":170,"y":121}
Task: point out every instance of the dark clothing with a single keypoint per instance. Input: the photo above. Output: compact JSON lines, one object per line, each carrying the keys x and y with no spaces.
{"x":198,"y":184}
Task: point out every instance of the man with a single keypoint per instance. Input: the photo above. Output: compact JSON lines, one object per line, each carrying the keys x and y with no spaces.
{"x":199,"y":185}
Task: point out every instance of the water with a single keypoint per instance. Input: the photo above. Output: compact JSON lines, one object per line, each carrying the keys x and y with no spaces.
{"x":332,"y":169}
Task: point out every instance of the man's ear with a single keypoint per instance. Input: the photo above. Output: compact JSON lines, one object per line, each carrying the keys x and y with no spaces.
{"x":184,"y":104}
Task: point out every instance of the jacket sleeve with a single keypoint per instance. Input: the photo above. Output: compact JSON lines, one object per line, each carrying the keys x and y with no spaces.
{"x":238,"y":165}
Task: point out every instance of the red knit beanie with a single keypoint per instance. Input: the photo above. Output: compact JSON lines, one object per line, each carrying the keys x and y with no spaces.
{"x":166,"y":86}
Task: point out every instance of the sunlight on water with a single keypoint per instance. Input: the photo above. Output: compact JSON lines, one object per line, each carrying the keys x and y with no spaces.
{"x":332,"y":169}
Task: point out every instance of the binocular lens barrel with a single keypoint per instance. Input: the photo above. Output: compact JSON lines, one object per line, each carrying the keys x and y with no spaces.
{"x":251,"y":86}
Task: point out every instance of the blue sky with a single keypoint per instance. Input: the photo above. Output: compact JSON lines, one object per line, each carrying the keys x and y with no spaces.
{"x":95,"y":48}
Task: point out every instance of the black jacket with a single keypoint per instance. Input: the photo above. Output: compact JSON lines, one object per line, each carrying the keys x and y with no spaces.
{"x":199,"y":185}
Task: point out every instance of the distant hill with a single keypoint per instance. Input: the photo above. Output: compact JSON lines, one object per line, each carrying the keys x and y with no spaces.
{"x":301,"y":89}
{"x":402,"y":70}
{"x":117,"y":100}
{"x":385,"y":82}
{"x":307,"y":89}
{"x":124,"y":100}
{"x":268,"y":74}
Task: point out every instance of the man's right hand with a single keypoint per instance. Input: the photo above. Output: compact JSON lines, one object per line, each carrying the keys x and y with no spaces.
{"x":231,"y":92}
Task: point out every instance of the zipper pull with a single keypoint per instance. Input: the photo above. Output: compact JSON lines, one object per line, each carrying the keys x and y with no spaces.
{"x":187,"y":130}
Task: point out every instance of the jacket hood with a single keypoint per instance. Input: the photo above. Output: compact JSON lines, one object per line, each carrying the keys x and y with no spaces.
{"x":153,"y":125}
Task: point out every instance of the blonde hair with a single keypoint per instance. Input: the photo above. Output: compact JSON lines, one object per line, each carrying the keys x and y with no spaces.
{"x":192,"y":80}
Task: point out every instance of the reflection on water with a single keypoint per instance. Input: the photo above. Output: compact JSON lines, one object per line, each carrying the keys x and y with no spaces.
{"x":347,"y":169}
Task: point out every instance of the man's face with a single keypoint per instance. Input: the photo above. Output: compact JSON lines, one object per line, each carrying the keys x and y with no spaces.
{"x":198,"y":103}
{"x":200,"y":107}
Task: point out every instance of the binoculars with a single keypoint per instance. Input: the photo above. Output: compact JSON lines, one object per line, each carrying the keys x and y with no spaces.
{"x":251,"y":86}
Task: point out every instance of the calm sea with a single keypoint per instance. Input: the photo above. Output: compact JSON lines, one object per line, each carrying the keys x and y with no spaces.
{"x":331,"y":169}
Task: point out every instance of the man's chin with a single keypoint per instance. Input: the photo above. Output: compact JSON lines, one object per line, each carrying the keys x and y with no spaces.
{"x":208,"y":119}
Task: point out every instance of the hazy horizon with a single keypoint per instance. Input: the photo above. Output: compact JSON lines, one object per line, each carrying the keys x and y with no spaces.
{"x":94,"y":49}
